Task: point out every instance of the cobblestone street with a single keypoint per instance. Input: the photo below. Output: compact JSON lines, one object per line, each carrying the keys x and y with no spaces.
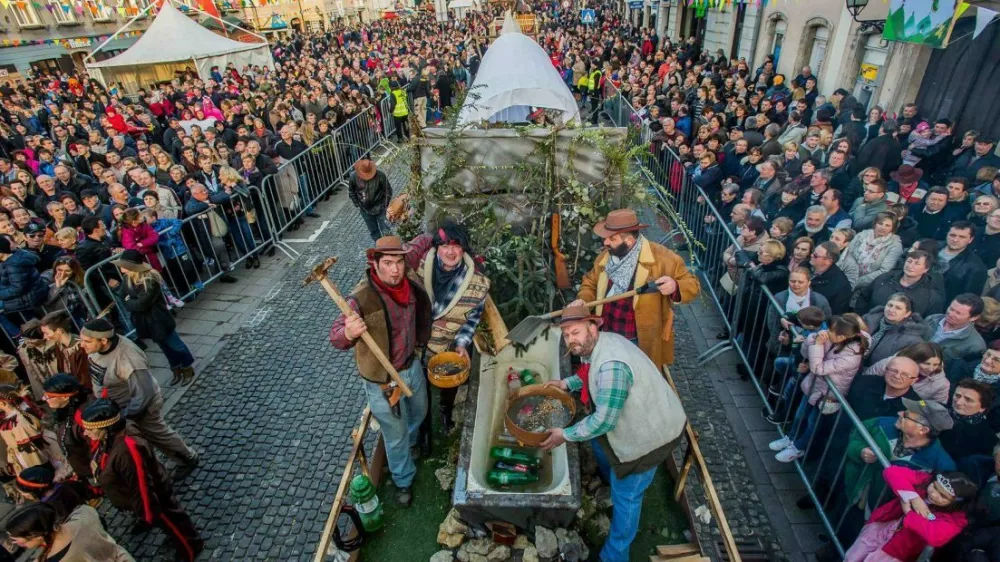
{"x":272,"y":411}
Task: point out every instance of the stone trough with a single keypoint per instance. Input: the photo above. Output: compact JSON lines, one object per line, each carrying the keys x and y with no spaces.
{"x":555,"y":499}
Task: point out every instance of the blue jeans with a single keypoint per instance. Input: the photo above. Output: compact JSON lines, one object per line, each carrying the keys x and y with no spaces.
{"x":304,"y":193}
{"x":177,"y":352}
{"x":626,"y":498}
{"x":239,"y":229}
{"x":403,"y":432}
{"x":805,"y":423}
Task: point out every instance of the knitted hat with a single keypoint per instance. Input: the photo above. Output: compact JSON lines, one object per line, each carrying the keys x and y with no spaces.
{"x":99,"y":328}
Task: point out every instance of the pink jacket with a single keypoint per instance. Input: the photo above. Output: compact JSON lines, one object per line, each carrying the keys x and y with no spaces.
{"x":145,"y":235}
{"x":826,"y":364}
{"x":916,"y":532}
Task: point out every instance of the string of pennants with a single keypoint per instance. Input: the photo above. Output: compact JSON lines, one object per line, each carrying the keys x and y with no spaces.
{"x":73,"y":43}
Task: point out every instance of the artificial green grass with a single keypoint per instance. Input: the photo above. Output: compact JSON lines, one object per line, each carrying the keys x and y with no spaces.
{"x":411,"y":534}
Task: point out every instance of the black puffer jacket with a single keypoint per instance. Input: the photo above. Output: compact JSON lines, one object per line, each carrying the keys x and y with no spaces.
{"x":21,"y":286}
{"x":148,"y":308}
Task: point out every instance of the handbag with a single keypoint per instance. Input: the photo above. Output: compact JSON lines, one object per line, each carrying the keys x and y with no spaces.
{"x":829,"y":406}
{"x":217,"y":226}
{"x":728,"y":284}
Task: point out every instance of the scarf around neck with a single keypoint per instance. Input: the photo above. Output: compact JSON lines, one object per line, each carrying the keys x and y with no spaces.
{"x":621,"y":271}
{"x":974,"y":419}
{"x":400,"y":294}
{"x":443,"y":279}
{"x":982,"y":376}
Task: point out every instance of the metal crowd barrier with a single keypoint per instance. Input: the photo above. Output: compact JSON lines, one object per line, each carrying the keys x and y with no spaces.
{"x":746,"y":307}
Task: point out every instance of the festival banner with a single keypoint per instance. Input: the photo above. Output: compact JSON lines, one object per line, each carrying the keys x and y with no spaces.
{"x":924,"y":22}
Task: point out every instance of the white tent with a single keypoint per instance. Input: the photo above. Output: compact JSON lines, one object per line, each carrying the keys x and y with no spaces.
{"x":172,"y":43}
{"x":516,"y":75}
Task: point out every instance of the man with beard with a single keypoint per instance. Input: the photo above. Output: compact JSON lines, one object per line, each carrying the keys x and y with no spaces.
{"x":628,"y":262}
{"x":635,"y":418}
{"x":397,"y":314}
{"x":813,"y":226}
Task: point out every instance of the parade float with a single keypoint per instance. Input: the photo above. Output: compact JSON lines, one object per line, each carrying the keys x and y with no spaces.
{"x":514,"y":163}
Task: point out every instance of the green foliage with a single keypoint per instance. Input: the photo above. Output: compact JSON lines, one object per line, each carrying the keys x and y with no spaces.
{"x":511,"y":224}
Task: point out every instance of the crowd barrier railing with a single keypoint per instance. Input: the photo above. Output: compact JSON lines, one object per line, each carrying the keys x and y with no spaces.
{"x":752,"y":322}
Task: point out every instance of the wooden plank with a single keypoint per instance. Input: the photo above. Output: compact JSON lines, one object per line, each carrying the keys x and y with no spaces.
{"x":683,"y":476}
{"x":345,"y":480}
{"x":493,"y":319}
{"x":689,"y":558}
{"x":675,"y":550}
{"x":706,"y":481}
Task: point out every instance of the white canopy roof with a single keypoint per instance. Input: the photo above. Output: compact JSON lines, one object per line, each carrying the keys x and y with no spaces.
{"x":461,"y":4}
{"x":516,"y":72}
{"x":175,"y":37}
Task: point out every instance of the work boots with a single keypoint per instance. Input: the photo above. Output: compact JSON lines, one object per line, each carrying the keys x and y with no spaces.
{"x":178,"y":376}
{"x":187,"y":374}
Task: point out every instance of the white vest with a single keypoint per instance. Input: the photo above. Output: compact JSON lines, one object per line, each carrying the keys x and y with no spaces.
{"x":653,"y":415}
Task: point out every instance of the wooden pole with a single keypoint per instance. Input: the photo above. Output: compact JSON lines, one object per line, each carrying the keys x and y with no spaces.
{"x":345,"y":480}
{"x":706,"y":481}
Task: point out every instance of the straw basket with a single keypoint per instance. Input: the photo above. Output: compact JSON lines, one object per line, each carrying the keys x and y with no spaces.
{"x":447,"y":381}
{"x":534,"y":438}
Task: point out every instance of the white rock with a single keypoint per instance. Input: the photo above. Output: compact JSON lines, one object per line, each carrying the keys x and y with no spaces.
{"x":499,"y":554}
{"x":452,"y":524}
{"x":445,"y":477}
{"x":603,"y":524}
{"x":442,"y":556}
{"x":463,"y":553}
{"x":477,"y":558}
{"x":546,"y":542}
{"x":530,"y":554}
{"x":479,"y":546}
{"x":450,"y":540}
{"x":521,"y":542}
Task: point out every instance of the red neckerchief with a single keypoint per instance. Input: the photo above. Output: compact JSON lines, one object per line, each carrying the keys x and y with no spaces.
{"x":584,"y":373}
{"x":400,"y":294}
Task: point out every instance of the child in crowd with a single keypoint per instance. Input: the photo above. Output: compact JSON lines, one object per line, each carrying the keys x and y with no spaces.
{"x":797,"y":327}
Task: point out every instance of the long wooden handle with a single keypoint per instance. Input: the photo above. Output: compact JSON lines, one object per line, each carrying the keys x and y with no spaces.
{"x":592,"y":304}
{"x":367,"y":338}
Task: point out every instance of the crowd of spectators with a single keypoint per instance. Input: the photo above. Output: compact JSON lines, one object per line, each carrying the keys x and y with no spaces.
{"x":878,"y":236}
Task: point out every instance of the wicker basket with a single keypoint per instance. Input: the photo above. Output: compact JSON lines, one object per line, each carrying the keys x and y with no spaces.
{"x":535,"y":438}
{"x":448,"y":381}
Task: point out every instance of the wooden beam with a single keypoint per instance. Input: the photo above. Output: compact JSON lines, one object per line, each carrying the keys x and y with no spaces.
{"x":706,"y":481}
{"x":345,"y":480}
{"x":493,"y":319}
{"x":675,"y":550}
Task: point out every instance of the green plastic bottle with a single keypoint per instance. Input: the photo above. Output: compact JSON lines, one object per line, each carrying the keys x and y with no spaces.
{"x":365,"y":499}
{"x":508,"y":467}
{"x":503,"y":478}
{"x":527,"y":377}
{"x":515,"y":456}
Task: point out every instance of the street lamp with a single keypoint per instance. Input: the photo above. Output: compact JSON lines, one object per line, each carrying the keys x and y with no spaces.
{"x":855,"y":7}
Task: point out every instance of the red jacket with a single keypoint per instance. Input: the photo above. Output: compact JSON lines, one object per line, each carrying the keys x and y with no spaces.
{"x":916,"y":532}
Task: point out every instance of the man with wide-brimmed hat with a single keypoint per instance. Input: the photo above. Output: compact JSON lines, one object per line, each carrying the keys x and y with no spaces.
{"x":396,"y":312}
{"x":370,"y":192}
{"x":629,"y":261}
{"x":635,"y":418}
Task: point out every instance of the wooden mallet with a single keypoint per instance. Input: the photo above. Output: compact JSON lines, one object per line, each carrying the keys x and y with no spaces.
{"x":319,"y":274}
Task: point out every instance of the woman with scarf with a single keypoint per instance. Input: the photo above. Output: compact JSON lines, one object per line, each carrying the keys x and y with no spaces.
{"x":893,"y":328}
{"x":875,"y":251}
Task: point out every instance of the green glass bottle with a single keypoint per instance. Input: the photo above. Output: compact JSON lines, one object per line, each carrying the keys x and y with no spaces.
{"x":515,"y":456}
{"x":502,"y":478}
{"x":527,"y":377}
{"x":510,"y":467}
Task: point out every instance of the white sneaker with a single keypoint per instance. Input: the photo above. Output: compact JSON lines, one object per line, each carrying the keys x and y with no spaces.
{"x":780,"y":444}
{"x":175,"y":302}
{"x":789,"y":454}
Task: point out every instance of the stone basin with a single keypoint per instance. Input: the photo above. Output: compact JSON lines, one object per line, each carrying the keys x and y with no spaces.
{"x":555,"y":499}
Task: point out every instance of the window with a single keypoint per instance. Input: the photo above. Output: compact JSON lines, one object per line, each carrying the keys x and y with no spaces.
{"x":780,"y":26}
{"x":817,"y":56}
{"x":100,"y":11}
{"x":24,"y":13}
{"x":62,"y":13}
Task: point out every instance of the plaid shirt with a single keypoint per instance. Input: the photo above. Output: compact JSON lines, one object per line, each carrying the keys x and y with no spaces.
{"x":441,"y":301}
{"x":614,"y":380}
{"x":619,"y":317}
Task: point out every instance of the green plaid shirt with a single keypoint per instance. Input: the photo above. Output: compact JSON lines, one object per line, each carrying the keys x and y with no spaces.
{"x":614,"y":379}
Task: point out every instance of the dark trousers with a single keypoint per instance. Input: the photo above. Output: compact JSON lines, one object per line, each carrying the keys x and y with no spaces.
{"x":377,"y":225}
{"x":176,"y":351}
{"x":174,"y":521}
{"x":402,"y":127}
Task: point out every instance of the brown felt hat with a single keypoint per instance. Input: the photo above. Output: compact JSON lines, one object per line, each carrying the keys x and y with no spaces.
{"x":617,"y":222}
{"x":365,"y":169}
{"x":578,"y":314}
{"x":907,"y":174}
{"x":391,"y":245}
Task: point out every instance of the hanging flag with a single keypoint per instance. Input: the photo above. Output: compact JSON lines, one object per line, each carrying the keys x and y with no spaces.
{"x":209,"y":7}
{"x":983,"y":18}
